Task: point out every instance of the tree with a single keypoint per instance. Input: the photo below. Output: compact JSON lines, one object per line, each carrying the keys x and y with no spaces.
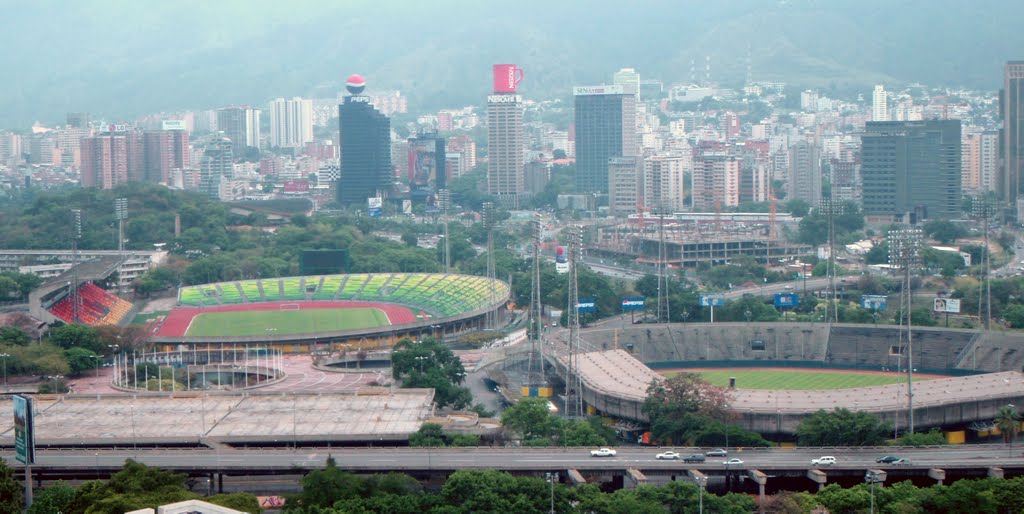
{"x":933,"y":437}
{"x":81,"y":360}
{"x":1008,"y":421}
{"x":10,"y":489}
{"x":579,"y":433}
{"x":54,"y":498}
{"x":797,"y":207}
{"x":842,"y":427}
{"x":429,"y":434}
{"x":77,"y":336}
{"x":429,"y":363}
{"x":324,"y":487}
{"x":945,"y":232}
{"x":529,"y":418}
{"x":14,"y":336}
{"x":680,"y":407}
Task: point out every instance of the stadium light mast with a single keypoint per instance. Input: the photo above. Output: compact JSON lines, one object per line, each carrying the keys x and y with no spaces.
{"x":983,"y":208}
{"x":76,"y":234}
{"x":121,"y":214}
{"x":444,"y":196}
{"x":488,"y":220}
{"x":905,"y":254}
{"x":664,"y":311}
{"x":832,"y":209}
{"x":536,"y":322}
{"x":573,"y":381}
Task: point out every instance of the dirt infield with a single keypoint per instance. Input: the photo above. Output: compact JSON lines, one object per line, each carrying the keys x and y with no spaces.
{"x":178,"y":320}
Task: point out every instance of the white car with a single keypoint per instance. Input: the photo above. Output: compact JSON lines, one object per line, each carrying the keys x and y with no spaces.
{"x":826,"y":460}
{"x":670,"y":455}
{"x":603,"y":452}
{"x":733,"y":462}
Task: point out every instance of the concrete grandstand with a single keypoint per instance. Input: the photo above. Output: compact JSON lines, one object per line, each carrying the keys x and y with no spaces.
{"x":984,"y":369}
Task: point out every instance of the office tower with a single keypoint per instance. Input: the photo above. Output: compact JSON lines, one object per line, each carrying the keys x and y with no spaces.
{"x":911,"y":168}
{"x":804,"y":173}
{"x":163,"y":151}
{"x":664,"y":183}
{"x":625,"y":185}
{"x":536,"y":175}
{"x":879,"y":104}
{"x":715,"y":182}
{"x":1012,"y":111}
{"x":506,"y":144}
{"x":844,"y":180}
{"x":754,"y":175}
{"x":79,"y":120}
{"x":291,"y":122}
{"x":629,"y":78}
{"x":10,"y":148}
{"x":242,"y":126}
{"x":111,"y":158}
{"x":605,"y":125}
{"x":427,"y":167}
{"x":365,"y":160}
{"x":463,"y":146}
{"x":216,"y":166}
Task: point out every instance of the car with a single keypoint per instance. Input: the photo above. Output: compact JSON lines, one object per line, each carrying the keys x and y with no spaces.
{"x":901,"y":462}
{"x":733,"y":462}
{"x":603,"y":452}
{"x":825,"y":460}
{"x":696,"y":457}
{"x":718,"y":452}
{"x":670,"y":455}
{"x":887,"y":459}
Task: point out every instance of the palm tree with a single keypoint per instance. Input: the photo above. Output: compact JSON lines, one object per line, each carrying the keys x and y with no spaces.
{"x":1008,"y":421}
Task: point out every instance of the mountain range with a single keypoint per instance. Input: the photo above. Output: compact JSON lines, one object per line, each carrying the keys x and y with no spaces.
{"x":120,"y":58}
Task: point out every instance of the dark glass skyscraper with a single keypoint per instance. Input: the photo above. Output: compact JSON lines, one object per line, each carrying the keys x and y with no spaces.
{"x":605,"y":128}
{"x":365,"y":147}
{"x":912,"y":167}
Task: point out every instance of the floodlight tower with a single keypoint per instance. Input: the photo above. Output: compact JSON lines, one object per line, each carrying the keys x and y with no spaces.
{"x":76,"y":234}
{"x":121,"y":214}
{"x":444,"y":197}
{"x":489,"y":221}
{"x":983,"y":209}
{"x":573,"y":382}
{"x":536,"y":322}
{"x":831,"y":209}
{"x":905,"y":254}
{"x":663,"y":303}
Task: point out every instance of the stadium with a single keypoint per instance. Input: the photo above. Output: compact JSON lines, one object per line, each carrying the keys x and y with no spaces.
{"x":327,"y":312}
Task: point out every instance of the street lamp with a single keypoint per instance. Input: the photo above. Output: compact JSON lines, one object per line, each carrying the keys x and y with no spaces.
{"x":4,"y":356}
{"x":551,"y":478}
{"x":701,"y":482}
{"x":871,"y":477}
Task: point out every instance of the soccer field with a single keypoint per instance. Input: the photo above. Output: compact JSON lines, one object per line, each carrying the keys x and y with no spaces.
{"x":799,"y":379}
{"x":286,"y":322}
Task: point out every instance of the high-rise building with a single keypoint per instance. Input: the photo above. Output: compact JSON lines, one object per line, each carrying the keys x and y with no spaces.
{"x":79,"y":120}
{"x":365,"y":147}
{"x":506,"y":148}
{"x":536,"y":175}
{"x":242,"y":126}
{"x":911,"y":169}
{"x":605,"y":124}
{"x":463,"y":146}
{"x":163,"y":151}
{"x":804,"y":173}
{"x":10,"y":148}
{"x":1011,"y":102}
{"x":216,"y":167}
{"x":628,"y":77}
{"x":664,"y":183}
{"x":625,"y":185}
{"x":980,"y":162}
{"x":715,"y":182}
{"x":291,"y":122}
{"x":427,"y":165}
{"x":879,"y":104}
{"x":111,"y":158}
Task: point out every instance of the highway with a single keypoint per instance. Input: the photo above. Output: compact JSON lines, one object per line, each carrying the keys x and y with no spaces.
{"x":524,"y":459}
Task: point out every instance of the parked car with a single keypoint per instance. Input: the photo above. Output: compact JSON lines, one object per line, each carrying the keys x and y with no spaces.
{"x":733,"y":462}
{"x":718,"y":452}
{"x":670,"y":455}
{"x":888,"y":459}
{"x":694,"y":458}
{"x":603,"y":452}
{"x":825,"y":460}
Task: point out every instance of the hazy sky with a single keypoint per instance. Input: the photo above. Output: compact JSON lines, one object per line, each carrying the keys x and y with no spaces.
{"x":125,"y":58}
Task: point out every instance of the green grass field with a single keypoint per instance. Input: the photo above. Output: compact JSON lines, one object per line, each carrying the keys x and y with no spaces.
{"x":797,"y":379}
{"x":257,"y":323}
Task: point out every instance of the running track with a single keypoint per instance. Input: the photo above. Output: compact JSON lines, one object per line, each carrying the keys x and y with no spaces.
{"x":179,"y":319}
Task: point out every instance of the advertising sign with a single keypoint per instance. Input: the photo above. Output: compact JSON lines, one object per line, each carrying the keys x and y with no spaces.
{"x":407,"y":207}
{"x":586,"y":306}
{"x":422,"y":162}
{"x":787,"y":300}
{"x":633,"y":303}
{"x":506,"y":78}
{"x":374,"y":205}
{"x":947,"y":305}
{"x":296,"y":186}
{"x":504,"y":99}
{"x":712,"y":300}
{"x":598,"y":90}
{"x":873,"y":302}
{"x":24,"y":430}
{"x":172,"y":125}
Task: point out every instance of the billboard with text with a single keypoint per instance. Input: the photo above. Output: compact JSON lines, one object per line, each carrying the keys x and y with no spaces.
{"x":24,"y":430}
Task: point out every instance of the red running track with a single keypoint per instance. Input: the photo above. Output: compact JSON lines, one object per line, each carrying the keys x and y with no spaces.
{"x":179,"y":319}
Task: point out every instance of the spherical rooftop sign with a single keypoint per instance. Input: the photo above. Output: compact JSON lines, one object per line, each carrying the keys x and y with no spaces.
{"x":355,"y":84}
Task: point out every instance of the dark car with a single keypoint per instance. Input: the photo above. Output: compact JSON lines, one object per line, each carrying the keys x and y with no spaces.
{"x":888,"y":459}
{"x":696,"y":457}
